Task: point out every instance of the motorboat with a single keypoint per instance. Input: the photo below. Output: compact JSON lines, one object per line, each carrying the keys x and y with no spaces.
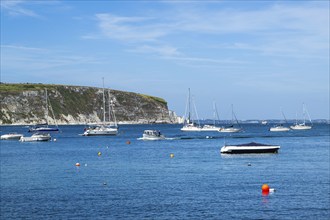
{"x":11,"y":136}
{"x":36,"y":137}
{"x":210,"y":128}
{"x":251,"y":147}
{"x":100,"y":130}
{"x":279,"y":128}
{"x":152,"y":135}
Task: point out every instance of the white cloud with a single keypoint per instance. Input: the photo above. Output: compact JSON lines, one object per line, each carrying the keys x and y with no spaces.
{"x":16,"y":8}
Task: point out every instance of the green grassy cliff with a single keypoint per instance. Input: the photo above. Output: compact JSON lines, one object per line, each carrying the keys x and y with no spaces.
{"x":25,"y":104}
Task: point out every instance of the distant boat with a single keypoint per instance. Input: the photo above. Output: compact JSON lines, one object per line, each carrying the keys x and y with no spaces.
{"x":11,"y":136}
{"x":216,"y":118}
{"x":45,"y":127}
{"x":36,"y":137}
{"x":264,"y":122}
{"x":104,"y":129}
{"x":152,"y":135}
{"x":231,"y":128}
{"x":189,"y":124}
{"x":249,"y":148}
{"x":303,"y":125}
{"x":280,"y":127}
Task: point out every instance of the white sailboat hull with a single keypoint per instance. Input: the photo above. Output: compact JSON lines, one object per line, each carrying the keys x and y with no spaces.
{"x":210,"y":128}
{"x":230,"y":130}
{"x":279,"y":129}
{"x":101,"y":131}
{"x":301,"y":127}
{"x":191,"y":128}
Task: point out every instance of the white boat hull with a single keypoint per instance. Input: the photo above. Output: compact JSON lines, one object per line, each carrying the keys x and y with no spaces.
{"x":249,"y":148}
{"x":301,"y":127}
{"x":279,"y":129}
{"x":191,"y":129}
{"x":210,"y":128}
{"x":230,"y":130}
{"x":101,"y":131}
{"x":11,"y":136}
{"x":36,"y":137}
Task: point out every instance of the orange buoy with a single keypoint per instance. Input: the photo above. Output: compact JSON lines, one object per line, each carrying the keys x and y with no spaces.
{"x":128,"y":142}
{"x":77,"y":164}
{"x":265,"y":188}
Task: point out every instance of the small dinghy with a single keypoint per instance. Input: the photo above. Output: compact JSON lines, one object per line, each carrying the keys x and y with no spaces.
{"x":249,"y":148}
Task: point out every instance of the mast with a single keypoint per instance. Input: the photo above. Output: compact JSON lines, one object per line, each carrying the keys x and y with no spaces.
{"x":103,"y":102}
{"x":189,"y":105}
{"x":46,"y":113}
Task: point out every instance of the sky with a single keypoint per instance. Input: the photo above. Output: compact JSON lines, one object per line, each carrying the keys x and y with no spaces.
{"x":262,"y":57}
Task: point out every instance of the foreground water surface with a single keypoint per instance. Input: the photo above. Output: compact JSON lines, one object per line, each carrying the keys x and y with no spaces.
{"x":140,"y":180}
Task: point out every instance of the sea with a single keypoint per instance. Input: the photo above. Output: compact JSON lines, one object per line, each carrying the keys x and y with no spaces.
{"x":182,"y":177}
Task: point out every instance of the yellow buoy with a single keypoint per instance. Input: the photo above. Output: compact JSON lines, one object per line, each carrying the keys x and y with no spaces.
{"x":99,"y":153}
{"x":171,"y":155}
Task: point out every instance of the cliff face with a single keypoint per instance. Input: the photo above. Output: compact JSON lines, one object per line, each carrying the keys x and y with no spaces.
{"x":26,"y":104}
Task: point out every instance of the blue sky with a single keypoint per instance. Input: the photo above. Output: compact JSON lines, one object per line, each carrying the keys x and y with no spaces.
{"x":260,"y":56}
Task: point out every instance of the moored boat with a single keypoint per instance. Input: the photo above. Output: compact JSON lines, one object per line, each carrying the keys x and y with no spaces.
{"x":252,"y":147}
{"x":100,"y":130}
{"x":36,"y":137}
{"x":210,"y":128}
{"x":152,"y":135}
{"x":279,"y":128}
{"x":11,"y":136}
{"x":189,"y":124}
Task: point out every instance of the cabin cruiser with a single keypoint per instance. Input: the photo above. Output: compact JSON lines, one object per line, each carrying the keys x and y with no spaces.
{"x":249,"y":148}
{"x":11,"y":136}
{"x":43,"y":128}
{"x":36,"y":137}
{"x":152,"y":135}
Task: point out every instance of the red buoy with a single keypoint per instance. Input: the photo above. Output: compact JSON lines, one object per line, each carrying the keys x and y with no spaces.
{"x":265,"y":188}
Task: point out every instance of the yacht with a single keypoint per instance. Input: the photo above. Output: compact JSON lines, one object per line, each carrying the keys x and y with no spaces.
{"x":189,"y":124}
{"x":45,"y":127}
{"x":213,"y":127}
{"x":231,"y":128}
{"x":279,"y":128}
{"x":36,"y":137}
{"x":104,"y":128}
{"x":303,"y":125}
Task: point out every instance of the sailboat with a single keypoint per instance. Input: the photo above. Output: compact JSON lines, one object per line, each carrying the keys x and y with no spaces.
{"x":45,"y":127}
{"x":302,"y":126}
{"x":104,"y":128}
{"x":189,"y":124}
{"x":231,"y":128}
{"x":213,"y":127}
{"x":280,"y":127}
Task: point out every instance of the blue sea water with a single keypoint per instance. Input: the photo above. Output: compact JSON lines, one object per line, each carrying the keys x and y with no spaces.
{"x":141,"y":181}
